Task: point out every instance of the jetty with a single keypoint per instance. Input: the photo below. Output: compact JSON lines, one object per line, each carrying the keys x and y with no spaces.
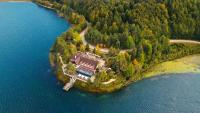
{"x":69,"y":84}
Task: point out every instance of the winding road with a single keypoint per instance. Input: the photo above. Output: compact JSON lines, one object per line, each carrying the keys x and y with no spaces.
{"x":184,"y":41}
{"x":106,"y":50}
{"x":82,"y":34}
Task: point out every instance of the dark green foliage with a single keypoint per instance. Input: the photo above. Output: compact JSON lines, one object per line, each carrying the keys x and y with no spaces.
{"x":71,"y":69}
{"x":185,"y":18}
{"x":130,"y":71}
{"x":87,"y":47}
{"x":94,"y":36}
{"x":141,"y":27}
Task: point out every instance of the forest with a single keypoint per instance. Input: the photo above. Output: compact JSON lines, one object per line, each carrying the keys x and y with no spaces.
{"x":143,"y":27}
{"x":121,"y":23}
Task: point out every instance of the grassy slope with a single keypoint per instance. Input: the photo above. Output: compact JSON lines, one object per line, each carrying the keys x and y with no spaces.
{"x":189,"y":64}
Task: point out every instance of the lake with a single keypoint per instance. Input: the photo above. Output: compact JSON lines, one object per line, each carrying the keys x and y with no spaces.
{"x":27,"y":84}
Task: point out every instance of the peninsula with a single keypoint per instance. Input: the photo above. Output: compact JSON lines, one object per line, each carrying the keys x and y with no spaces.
{"x":112,"y":43}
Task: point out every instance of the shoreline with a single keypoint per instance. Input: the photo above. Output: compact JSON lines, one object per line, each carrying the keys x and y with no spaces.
{"x":119,"y":86}
{"x":153,"y":72}
{"x":187,"y":64}
{"x":45,"y":6}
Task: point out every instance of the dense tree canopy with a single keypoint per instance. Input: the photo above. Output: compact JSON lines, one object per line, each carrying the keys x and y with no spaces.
{"x":149,"y":19}
{"x":142,"y":28}
{"x":114,"y":22}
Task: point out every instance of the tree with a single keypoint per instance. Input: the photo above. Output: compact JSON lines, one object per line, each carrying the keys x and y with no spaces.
{"x":102,"y":76}
{"x":87,"y":47}
{"x":97,"y":50}
{"x":147,"y":49}
{"x":71,"y":68}
{"x":73,"y":35}
{"x":139,"y":51}
{"x":93,"y":36}
{"x":130,"y":71}
{"x":82,"y":48}
{"x":72,"y":49}
{"x":122,"y":62}
{"x":118,"y":44}
{"x":130,"y":42}
{"x":140,"y":54}
{"x":137,"y":65}
{"x":113,"y":51}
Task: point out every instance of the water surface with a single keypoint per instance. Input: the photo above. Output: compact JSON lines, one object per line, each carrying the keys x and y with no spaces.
{"x":28,"y":86}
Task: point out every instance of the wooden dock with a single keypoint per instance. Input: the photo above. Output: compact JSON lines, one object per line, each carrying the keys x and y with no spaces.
{"x":69,"y":84}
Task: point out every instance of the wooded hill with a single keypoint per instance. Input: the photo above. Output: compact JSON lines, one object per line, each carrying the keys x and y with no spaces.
{"x":119,"y":23}
{"x":144,"y":27}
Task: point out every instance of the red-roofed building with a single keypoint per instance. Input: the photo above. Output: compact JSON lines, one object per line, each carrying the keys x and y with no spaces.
{"x":86,"y":63}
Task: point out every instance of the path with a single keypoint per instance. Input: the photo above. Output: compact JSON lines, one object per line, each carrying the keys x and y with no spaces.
{"x":108,"y":82}
{"x":82,"y":34}
{"x":184,"y":41}
{"x":106,"y":50}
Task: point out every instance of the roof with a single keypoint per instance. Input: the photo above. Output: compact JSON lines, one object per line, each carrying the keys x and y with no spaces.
{"x":88,"y":62}
{"x":74,"y":57}
{"x":84,"y":60}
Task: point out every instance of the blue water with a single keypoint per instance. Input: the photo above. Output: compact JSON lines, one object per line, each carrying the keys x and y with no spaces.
{"x":27,"y":84}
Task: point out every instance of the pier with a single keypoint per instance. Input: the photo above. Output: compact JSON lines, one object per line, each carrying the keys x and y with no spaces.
{"x":69,"y":84}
